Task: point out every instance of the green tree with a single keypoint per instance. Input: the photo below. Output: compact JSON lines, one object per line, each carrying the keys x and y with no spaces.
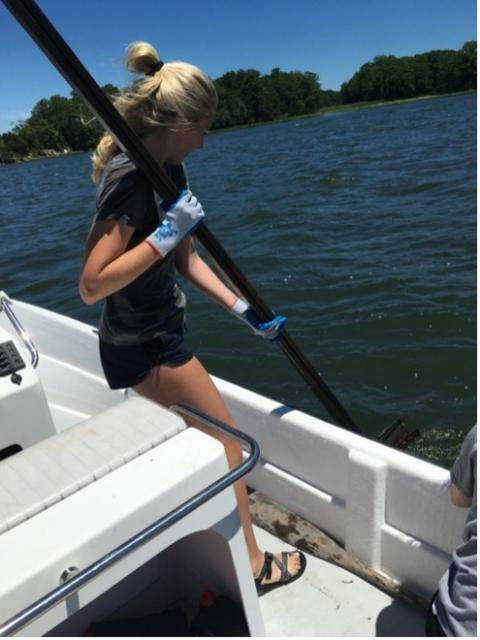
{"x":391,"y":78}
{"x":56,"y":123}
{"x":246,"y":96}
{"x":467,"y":63}
{"x":14,"y":144}
{"x":422,"y":75}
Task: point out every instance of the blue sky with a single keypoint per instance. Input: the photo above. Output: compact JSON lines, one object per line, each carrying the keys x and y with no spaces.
{"x":332,"y":38}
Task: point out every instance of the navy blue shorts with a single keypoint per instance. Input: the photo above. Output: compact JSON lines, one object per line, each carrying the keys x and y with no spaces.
{"x":128,"y":365}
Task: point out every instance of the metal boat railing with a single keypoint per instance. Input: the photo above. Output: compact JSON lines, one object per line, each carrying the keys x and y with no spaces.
{"x":6,"y":305}
{"x":74,"y":579}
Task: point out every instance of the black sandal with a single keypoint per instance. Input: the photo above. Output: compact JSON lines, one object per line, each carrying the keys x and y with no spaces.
{"x":285,"y":576}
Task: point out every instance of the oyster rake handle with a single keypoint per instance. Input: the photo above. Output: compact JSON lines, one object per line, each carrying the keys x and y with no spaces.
{"x":288,"y":345}
{"x":34,"y":21}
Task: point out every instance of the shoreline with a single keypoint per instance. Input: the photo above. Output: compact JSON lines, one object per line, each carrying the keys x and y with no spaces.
{"x":338,"y":108}
{"x":335,"y":108}
{"x":46,"y":154}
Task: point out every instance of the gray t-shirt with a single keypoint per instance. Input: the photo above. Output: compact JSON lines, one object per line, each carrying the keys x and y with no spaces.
{"x":154,"y":302}
{"x":456,"y":603}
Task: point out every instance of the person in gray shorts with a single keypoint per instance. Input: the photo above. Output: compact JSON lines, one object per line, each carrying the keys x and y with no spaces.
{"x":453,"y":610}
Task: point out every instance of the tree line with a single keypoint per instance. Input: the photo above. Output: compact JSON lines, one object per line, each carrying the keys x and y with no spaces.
{"x":434,"y":72}
{"x":57,"y":124}
{"x":60,"y":124}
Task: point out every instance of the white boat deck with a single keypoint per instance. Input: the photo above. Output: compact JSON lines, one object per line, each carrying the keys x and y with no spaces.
{"x":330,"y":601}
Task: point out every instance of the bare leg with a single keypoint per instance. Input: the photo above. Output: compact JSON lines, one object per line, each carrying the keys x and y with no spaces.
{"x":190,"y":384}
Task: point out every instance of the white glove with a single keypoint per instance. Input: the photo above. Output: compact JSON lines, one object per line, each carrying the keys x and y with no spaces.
{"x":181,"y":218}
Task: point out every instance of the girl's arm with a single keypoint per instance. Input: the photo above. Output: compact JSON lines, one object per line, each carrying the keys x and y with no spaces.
{"x":196,"y":270}
{"x":458,"y":498}
{"x":192,"y":267}
{"x":107,"y":266}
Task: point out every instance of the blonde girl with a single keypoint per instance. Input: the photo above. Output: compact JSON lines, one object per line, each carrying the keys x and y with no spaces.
{"x":136,"y":247}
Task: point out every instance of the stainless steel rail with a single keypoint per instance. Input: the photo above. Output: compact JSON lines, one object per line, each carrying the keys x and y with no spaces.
{"x":30,"y":613}
{"x":6,"y":305}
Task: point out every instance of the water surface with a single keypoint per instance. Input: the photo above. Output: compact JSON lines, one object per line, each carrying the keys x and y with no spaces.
{"x":358,"y":226}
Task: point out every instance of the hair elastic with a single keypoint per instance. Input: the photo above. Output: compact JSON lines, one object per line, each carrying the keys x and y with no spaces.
{"x":155,"y":68}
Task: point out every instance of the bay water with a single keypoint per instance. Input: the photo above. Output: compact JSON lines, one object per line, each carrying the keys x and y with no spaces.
{"x":358,"y":226}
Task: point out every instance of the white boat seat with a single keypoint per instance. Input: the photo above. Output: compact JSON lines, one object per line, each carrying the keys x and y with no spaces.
{"x":50,"y":470}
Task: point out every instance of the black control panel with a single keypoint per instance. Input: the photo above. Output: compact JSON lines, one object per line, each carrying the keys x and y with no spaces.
{"x":10,"y":360}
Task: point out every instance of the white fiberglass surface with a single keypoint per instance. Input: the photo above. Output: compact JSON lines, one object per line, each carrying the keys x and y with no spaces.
{"x":73,"y":394}
{"x":330,"y":601}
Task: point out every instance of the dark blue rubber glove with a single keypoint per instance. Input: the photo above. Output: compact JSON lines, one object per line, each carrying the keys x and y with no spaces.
{"x":270,"y":330}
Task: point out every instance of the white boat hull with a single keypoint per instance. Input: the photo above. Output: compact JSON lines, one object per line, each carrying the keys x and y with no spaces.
{"x":388,"y":508}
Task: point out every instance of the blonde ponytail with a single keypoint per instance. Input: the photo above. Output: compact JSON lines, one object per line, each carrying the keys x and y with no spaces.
{"x":174,"y":95}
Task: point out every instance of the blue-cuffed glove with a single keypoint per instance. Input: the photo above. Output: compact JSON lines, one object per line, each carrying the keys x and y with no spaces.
{"x":270,"y":330}
{"x":181,"y":218}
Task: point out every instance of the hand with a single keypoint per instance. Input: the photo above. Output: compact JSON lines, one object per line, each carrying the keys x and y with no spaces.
{"x":181,"y":218}
{"x":270,"y":330}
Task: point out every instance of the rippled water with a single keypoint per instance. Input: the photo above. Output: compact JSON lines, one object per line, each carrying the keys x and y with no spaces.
{"x":359,"y":227}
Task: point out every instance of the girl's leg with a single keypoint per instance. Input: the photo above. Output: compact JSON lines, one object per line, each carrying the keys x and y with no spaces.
{"x":190,"y":384}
